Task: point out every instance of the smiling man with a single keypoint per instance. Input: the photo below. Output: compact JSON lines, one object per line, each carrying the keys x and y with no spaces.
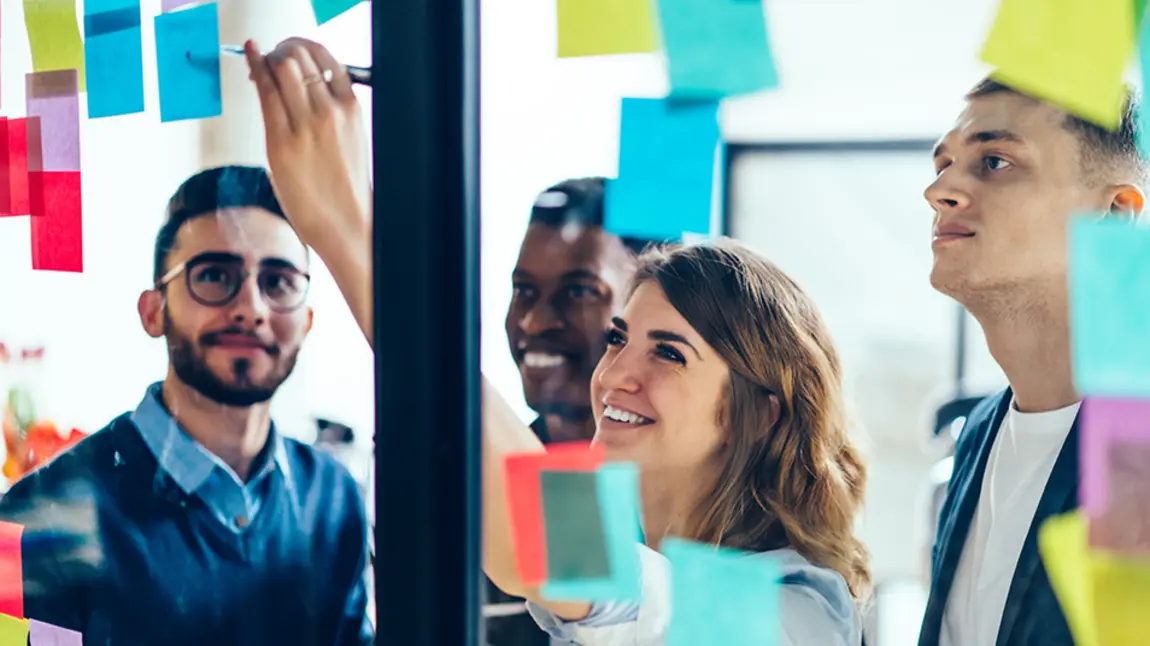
{"x":191,"y":520}
{"x":1010,"y":175}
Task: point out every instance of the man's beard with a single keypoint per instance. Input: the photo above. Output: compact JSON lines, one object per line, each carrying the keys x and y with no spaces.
{"x":189,"y":364}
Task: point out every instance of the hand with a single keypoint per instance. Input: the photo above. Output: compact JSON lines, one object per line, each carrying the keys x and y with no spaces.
{"x":317,"y":145}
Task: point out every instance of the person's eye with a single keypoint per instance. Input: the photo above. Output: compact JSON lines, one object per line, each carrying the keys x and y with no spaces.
{"x":581,"y":292}
{"x":615,"y":338}
{"x":994,"y":163}
{"x":520,"y":291}
{"x":212,"y":274}
{"x":669,"y":353}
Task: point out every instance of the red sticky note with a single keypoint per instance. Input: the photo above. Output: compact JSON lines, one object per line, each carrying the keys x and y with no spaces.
{"x":11,"y":570}
{"x":525,"y":500}
{"x":14,"y":158}
{"x":57,"y":228}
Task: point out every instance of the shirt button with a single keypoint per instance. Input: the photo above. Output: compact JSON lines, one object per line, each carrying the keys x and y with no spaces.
{"x":241,"y":521}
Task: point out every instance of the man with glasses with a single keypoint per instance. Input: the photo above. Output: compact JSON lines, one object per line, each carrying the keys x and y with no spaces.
{"x":191,"y":520}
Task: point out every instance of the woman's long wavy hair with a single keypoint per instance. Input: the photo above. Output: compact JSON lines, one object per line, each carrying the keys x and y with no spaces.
{"x":797,"y":482}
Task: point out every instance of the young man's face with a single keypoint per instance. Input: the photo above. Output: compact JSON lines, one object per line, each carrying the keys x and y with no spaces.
{"x":568,"y":282}
{"x":1009,"y":178}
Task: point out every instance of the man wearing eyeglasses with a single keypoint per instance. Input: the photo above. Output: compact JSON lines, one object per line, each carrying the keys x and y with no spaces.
{"x":190,"y":520}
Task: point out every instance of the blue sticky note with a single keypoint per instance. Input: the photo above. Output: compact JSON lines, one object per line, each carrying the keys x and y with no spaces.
{"x":618,"y":496}
{"x":716,"y":48}
{"x":721,"y":597}
{"x":188,"y":63}
{"x":1144,"y":59}
{"x":325,"y":10}
{"x":1110,"y":307}
{"x":666,"y":183}
{"x":114,"y":57}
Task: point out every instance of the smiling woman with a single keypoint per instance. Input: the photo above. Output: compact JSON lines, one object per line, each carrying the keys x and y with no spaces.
{"x":722,"y":384}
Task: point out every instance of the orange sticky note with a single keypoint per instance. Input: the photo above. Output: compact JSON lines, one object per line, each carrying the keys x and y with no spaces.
{"x":11,"y":570}
{"x":522,"y":474}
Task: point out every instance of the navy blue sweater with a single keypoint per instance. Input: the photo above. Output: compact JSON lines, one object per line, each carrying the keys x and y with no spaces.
{"x":114,"y":549}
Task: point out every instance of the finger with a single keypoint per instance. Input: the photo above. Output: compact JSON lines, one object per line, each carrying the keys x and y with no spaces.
{"x":340,"y":81}
{"x":275,"y":117}
{"x":289,"y":79}
{"x":318,"y":92}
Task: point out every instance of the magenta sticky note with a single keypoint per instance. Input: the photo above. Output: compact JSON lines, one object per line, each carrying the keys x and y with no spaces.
{"x":54,"y":98}
{"x":42,"y":634}
{"x":1106,"y":423}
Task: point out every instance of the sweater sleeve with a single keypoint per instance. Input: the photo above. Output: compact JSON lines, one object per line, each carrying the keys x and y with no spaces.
{"x":816,"y":610}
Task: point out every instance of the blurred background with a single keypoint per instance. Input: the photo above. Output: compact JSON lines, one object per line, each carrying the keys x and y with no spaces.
{"x":825,"y":175}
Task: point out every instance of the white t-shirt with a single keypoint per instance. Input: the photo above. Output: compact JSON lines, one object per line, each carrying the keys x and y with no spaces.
{"x":1016,"y":474}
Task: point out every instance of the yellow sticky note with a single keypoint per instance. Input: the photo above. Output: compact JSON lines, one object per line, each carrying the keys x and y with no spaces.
{"x":1071,"y":53}
{"x":1062,"y":543}
{"x":54,"y":36}
{"x":13,"y":631}
{"x":594,"y":27}
{"x":1121,"y":598}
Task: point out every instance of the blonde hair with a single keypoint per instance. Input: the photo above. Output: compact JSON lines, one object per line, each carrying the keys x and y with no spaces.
{"x":797,"y":482}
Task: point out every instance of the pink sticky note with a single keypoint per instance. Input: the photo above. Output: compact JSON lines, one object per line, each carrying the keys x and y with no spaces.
{"x":43,"y":634}
{"x":57,"y":232}
{"x":54,"y":98}
{"x":1106,"y":424}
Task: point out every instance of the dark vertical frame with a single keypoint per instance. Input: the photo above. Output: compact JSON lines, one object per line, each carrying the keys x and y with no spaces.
{"x":426,"y":286}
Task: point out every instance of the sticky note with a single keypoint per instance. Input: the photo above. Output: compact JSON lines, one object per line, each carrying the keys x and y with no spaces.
{"x":325,"y":10}
{"x":1144,"y":63}
{"x":172,"y":5}
{"x":1071,"y":53}
{"x":573,"y":526}
{"x":1109,"y":273}
{"x":1107,"y":424}
{"x":43,"y":634}
{"x":617,"y":488}
{"x":114,"y":56}
{"x":14,"y":162}
{"x":52,"y":98}
{"x":54,"y":36}
{"x":522,"y":477}
{"x":188,"y":63}
{"x":1121,"y":589}
{"x":57,"y":227}
{"x":721,"y":597}
{"x":594,"y":27}
{"x":11,"y":570}
{"x":13,"y":630}
{"x":666,"y":186}
{"x":716,"y":48}
{"x":1062,"y":544}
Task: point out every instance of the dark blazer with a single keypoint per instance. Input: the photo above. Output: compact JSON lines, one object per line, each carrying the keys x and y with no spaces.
{"x":1032,"y":616}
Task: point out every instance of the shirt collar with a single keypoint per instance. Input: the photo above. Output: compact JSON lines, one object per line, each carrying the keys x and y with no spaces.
{"x":188,"y":463}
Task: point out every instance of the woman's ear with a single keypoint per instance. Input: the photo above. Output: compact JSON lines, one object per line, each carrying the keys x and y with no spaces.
{"x":1128,"y":202}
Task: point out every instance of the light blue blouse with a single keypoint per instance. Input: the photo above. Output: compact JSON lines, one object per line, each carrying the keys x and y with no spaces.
{"x":817,"y":609}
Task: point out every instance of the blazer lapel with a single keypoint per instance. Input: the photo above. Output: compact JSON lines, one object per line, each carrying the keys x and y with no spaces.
{"x":1060,"y":495}
{"x":959,"y":513}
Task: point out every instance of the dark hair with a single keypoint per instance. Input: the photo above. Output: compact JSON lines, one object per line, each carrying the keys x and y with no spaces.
{"x":207,"y":192}
{"x":796,"y":481}
{"x":1102,"y":151}
{"x":578,"y":201}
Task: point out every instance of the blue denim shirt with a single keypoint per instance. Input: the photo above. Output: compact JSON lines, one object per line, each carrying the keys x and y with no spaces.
{"x":199,"y":472}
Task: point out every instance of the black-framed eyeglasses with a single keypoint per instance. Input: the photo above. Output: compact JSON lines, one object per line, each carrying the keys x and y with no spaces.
{"x":214,"y":279}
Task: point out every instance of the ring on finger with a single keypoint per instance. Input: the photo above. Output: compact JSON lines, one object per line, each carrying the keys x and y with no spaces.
{"x":324,"y":76}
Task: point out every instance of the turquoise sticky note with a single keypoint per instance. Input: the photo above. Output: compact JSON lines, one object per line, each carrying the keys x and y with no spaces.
{"x":618,"y":496}
{"x":114,"y":57}
{"x":721,"y":597}
{"x":325,"y":10}
{"x":1110,"y":307}
{"x":716,"y":48}
{"x":1144,"y":60}
{"x":188,"y":63}
{"x":666,"y":185}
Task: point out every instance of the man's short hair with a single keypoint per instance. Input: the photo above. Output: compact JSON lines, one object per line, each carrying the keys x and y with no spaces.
{"x":1102,"y":151}
{"x":577,"y":201}
{"x":207,"y":192}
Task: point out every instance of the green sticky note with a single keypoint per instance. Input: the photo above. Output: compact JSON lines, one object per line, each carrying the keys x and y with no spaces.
{"x":595,"y":27}
{"x":325,"y":10}
{"x":1071,"y":53}
{"x":1109,"y":290}
{"x":573,"y":526}
{"x":1139,"y":12}
{"x":13,"y":631}
{"x":716,"y":48}
{"x":618,"y":498}
{"x":54,"y":37}
{"x":721,"y":597}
